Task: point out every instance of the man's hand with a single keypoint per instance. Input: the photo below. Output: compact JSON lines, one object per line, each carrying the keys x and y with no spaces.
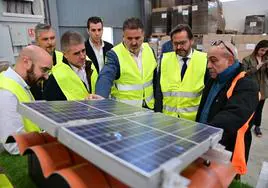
{"x":94,"y":97}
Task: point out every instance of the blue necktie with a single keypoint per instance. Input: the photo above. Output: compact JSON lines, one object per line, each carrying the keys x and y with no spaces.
{"x":184,"y":67}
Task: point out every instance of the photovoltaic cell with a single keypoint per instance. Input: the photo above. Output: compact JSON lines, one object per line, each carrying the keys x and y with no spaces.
{"x":64,"y":111}
{"x":146,"y":141}
{"x":114,"y":107}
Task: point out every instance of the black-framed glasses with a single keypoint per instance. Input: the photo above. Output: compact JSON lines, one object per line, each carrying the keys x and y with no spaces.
{"x":218,"y":42}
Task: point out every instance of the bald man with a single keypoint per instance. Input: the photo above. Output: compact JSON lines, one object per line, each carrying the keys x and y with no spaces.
{"x":32,"y":66}
{"x":229,"y":100}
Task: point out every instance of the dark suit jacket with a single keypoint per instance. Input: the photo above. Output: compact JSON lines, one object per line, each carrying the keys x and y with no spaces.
{"x":53,"y":92}
{"x":90,"y":52}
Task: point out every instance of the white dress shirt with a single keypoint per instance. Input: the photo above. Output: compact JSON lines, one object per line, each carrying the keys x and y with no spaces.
{"x":82,"y":74}
{"x":10,"y":120}
{"x":98,"y":54}
{"x":138,"y":60}
{"x":181,"y":62}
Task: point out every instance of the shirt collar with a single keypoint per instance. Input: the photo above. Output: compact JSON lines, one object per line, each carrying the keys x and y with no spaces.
{"x":11,"y":73}
{"x":141,"y":49}
{"x":228,"y":73}
{"x":92,"y":45}
{"x":77,"y":69}
{"x":189,"y":56}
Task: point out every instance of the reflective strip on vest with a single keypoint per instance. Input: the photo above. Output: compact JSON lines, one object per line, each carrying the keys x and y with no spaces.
{"x":132,"y":87}
{"x":134,"y":102}
{"x":182,"y":97}
{"x":182,"y":94}
{"x":22,"y":96}
{"x":123,"y":87}
{"x":180,"y":110}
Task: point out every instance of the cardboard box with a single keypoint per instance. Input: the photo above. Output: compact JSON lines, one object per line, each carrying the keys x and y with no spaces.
{"x":161,"y":20}
{"x":208,"y":39}
{"x":181,"y":15}
{"x":167,"y":3}
{"x":255,"y":24}
{"x":207,"y":17}
{"x":245,"y":44}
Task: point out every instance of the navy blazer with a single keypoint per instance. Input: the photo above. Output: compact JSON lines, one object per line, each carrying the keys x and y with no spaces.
{"x":90,"y":52}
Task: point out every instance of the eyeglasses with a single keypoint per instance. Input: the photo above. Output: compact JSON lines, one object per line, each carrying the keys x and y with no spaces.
{"x":218,"y":42}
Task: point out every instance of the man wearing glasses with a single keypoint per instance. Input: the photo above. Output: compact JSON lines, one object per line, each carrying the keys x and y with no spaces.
{"x":181,"y":76}
{"x":75,"y":77}
{"x":32,"y":66}
{"x":229,"y":101}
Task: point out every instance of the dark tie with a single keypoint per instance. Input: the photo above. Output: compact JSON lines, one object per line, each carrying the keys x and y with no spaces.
{"x":184,"y":67}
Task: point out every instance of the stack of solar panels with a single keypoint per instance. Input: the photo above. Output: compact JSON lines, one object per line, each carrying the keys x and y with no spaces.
{"x":130,"y":143}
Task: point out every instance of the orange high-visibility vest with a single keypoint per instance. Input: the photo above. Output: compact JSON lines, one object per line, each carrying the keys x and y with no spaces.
{"x":239,"y":158}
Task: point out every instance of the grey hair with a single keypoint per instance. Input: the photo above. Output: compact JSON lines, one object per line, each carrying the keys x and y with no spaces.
{"x":70,"y":38}
{"x":41,"y":28}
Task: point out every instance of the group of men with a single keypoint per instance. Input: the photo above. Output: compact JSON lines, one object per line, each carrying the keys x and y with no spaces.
{"x":209,"y":88}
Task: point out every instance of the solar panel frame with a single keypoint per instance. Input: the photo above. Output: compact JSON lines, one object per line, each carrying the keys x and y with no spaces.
{"x":125,"y":171}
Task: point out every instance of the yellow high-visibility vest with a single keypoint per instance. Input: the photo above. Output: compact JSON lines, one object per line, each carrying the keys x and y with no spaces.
{"x":71,"y":85}
{"x":182,"y":98}
{"x":133,"y":87}
{"x":22,"y":96}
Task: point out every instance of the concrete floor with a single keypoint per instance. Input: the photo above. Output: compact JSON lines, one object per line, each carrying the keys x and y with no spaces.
{"x":258,"y":151}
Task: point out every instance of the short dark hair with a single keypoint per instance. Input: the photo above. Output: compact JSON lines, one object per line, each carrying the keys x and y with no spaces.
{"x":182,"y":27}
{"x":261,"y":44}
{"x":70,"y":38}
{"x":41,"y":28}
{"x":95,"y":20}
{"x":133,"y":23}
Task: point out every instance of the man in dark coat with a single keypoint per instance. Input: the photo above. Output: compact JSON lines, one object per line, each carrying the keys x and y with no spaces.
{"x":96,"y":48}
{"x":229,"y":101}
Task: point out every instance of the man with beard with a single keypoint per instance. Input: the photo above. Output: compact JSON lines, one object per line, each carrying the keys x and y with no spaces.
{"x":130,"y":69}
{"x":45,"y":38}
{"x":32,"y":66}
{"x":96,"y":48}
{"x":229,"y":101}
{"x":181,"y":76}
{"x":75,"y":77}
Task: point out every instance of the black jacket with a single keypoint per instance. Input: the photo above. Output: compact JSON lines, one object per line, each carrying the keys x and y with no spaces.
{"x":231,"y":114}
{"x":53,"y":92}
{"x":37,"y":90}
{"x":90,"y":52}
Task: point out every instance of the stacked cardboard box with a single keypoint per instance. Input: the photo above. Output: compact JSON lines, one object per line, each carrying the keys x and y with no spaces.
{"x":181,"y":15}
{"x":245,"y":44}
{"x":207,"y":16}
{"x":198,"y":42}
{"x":211,"y":37}
{"x":255,"y":24}
{"x":171,"y":3}
{"x":161,"y":20}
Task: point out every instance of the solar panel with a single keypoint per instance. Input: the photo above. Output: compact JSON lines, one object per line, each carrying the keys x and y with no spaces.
{"x":50,"y":115}
{"x":134,"y":149}
{"x":115,"y":107}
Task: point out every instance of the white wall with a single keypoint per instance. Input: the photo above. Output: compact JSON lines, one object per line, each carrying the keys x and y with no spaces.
{"x":236,"y":11}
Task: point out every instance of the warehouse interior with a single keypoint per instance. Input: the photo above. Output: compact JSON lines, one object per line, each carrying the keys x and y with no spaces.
{"x":243,"y":23}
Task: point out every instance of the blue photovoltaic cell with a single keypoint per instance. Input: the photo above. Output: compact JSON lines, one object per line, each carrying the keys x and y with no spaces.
{"x":146,"y":141}
{"x":64,"y":111}
{"x":114,"y":107}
